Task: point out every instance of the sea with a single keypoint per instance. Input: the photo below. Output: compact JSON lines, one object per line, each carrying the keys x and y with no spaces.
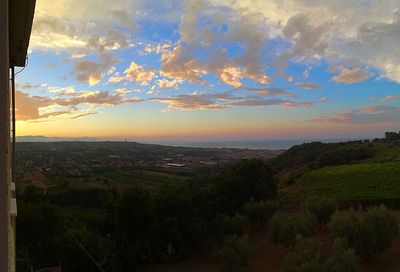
{"x":249,"y":144}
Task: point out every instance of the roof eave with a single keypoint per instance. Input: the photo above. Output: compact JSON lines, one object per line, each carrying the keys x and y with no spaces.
{"x":21,"y":14}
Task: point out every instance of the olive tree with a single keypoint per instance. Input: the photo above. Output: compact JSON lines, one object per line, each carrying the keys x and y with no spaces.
{"x":369,"y":232}
{"x":284,"y":228}
{"x":342,"y":258}
{"x":260,"y":212}
{"x":322,"y":207}
{"x":234,"y":253}
{"x":305,"y":256}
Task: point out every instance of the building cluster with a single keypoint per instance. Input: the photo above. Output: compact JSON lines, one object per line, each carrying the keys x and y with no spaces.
{"x":35,"y":162}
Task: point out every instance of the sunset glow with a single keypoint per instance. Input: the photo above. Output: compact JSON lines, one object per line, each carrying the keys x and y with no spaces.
{"x":207,"y":70}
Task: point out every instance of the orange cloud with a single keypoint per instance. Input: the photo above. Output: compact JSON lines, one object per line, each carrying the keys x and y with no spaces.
{"x":40,"y":107}
{"x":308,"y":85}
{"x":199,"y":101}
{"x":349,"y":76}
{"x":365,"y":115}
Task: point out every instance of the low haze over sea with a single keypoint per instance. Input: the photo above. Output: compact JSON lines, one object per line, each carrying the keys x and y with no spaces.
{"x":250,"y":144}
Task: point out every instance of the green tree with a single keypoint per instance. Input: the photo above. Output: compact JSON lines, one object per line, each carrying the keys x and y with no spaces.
{"x":342,"y":259}
{"x":322,"y":207}
{"x":368,"y":232}
{"x":38,"y":227}
{"x":181,"y":223}
{"x":248,"y":179}
{"x":136,"y":230}
{"x":260,"y":212}
{"x":234,"y":253}
{"x":392,"y":136}
{"x":283,"y":228}
{"x":229,"y":225}
{"x":305,"y":256}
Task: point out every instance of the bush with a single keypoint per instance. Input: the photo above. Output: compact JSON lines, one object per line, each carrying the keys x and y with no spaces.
{"x":284,"y":228}
{"x":368,"y":232}
{"x":305,"y":256}
{"x":260,"y":212}
{"x":234,"y":253}
{"x":342,"y":259}
{"x":237,"y":224}
{"x":322,"y":207}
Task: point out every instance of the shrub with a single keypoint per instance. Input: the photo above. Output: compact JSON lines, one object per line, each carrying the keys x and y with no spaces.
{"x":237,"y":224}
{"x":342,"y":259}
{"x":260,"y":212}
{"x":305,"y":256}
{"x":322,"y":207}
{"x":284,"y":228}
{"x":234,"y":253}
{"x":368,"y":232}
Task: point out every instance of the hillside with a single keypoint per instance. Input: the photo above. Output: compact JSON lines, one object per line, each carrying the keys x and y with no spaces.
{"x":364,"y":181}
{"x":361,"y":170}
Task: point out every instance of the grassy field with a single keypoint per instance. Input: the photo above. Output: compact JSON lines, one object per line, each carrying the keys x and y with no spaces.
{"x":121,"y":180}
{"x":350,"y":182}
{"x":150,"y":180}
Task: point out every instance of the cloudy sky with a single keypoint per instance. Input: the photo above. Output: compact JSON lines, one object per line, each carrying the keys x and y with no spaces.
{"x":212,"y":69}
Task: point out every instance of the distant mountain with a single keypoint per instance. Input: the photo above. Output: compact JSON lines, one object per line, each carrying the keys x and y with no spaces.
{"x":39,"y":138}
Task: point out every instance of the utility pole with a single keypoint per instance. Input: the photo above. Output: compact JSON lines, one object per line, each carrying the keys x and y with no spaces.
{"x":4,"y":137}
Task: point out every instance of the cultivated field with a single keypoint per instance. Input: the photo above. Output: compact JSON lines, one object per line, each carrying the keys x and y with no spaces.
{"x":365,"y":181}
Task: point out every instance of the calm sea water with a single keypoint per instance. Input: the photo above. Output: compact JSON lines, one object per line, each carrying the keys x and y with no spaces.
{"x":253,"y":144}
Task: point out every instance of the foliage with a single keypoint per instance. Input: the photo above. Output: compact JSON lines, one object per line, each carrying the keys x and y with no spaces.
{"x":342,"y":259}
{"x":84,"y":198}
{"x":369,"y":181}
{"x":226,"y":224}
{"x":234,"y":253}
{"x":32,"y":194}
{"x":316,"y":155}
{"x":248,"y":179}
{"x":284,"y":228}
{"x":392,"y":136}
{"x":125,"y":231}
{"x":305,"y":256}
{"x":260,"y":212}
{"x":321,"y":207}
{"x":38,"y":228}
{"x":368,"y":232}
{"x":136,"y":229}
{"x":182,"y":224}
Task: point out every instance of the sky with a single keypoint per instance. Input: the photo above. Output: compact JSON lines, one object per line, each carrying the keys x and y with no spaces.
{"x":211,"y":69}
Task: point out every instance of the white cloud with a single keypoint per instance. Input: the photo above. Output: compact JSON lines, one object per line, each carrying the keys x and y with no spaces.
{"x":266,"y":34}
{"x":135,"y":73}
{"x":168,"y":84}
